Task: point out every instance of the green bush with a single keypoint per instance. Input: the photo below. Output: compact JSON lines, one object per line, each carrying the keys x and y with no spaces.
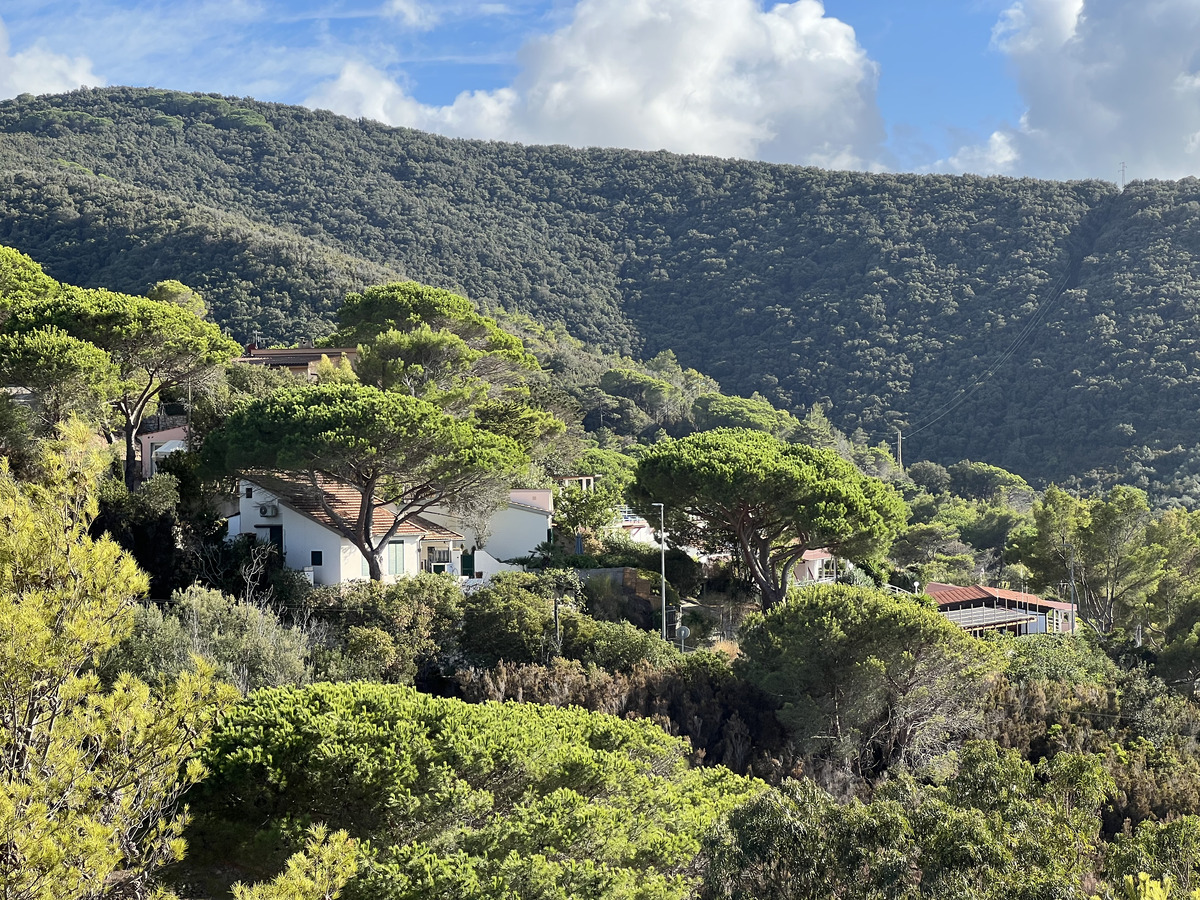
{"x":387,"y":632}
{"x":247,"y":644}
{"x":459,"y":800}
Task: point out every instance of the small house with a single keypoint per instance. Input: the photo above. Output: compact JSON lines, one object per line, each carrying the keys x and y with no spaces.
{"x":978,"y":609}
{"x":298,"y":518}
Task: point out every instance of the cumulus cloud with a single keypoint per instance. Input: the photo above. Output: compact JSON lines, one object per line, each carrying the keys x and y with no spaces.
{"x":39,"y":70}
{"x":1104,"y":82}
{"x":721,"y":77}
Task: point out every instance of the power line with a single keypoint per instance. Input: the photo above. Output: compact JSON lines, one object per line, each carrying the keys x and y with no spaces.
{"x":1027,"y":329}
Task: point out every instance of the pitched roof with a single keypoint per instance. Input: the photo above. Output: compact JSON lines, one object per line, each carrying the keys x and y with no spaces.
{"x":948,"y":594}
{"x":345,"y":499}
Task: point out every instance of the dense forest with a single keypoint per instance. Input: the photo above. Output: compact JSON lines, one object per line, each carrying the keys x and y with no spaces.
{"x":182,"y":714}
{"x":1044,"y":327}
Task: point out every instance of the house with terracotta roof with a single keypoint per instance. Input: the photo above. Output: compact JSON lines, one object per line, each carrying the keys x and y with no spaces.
{"x":978,"y":609}
{"x":514,"y":530}
{"x":299,"y":518}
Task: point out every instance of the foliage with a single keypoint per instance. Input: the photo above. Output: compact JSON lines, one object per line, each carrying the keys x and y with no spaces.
{"x":90,"y":779}
{"x":576,"y":509}
{"x":990,"y":830}
{"x":151,"y":345}
{"x":319,"y":872}
{"x":391,"y":449}
{"x":771,"y":501}
{"x":891,"y":300}
{"x":144,"y":522}
{"x":64,"y":376}
{"x":871,"y":678}
{"x":728,"y":721}
{"x":1170,"y":850}
{"x":1098,"y":545}
{"x":243,"y":644}
{"x":386,"y":632}
{"x":613,"y":646}
{"x":432,"y":344}
{"x":470,"y":801}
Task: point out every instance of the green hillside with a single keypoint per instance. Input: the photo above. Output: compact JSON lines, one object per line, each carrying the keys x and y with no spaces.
{"x":1045,"y":327}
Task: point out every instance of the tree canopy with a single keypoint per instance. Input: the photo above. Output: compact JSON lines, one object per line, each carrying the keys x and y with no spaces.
{"x":392,"y":449}
{"x":768,"y":500}
{"x":866,"y":678}
{"x":151,"y":345}
{"x":90,"y":778}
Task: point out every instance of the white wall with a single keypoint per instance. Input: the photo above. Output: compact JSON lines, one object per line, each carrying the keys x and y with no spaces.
{"x":515,"y":531}
{"x":512,"y":531}
{"x":301,"y":535}
{"x":352,"y":561}
{"x":340,"y":559}
{"x":489,"y":565}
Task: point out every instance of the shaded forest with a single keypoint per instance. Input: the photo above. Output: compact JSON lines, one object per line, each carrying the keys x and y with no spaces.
{"x":1045,"y":327}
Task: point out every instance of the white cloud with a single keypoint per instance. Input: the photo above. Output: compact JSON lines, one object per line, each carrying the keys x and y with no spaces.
{"x":997,"y":155}
{"x":39,"y":70}
{"x":722,"y":77}
{"x":1104,"y":82}
{"x":413,"y":13}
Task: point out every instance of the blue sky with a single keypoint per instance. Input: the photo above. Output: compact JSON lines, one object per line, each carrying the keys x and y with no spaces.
{"x":1047,"y":88}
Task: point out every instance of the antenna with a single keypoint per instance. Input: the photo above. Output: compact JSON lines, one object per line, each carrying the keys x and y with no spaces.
{"x":1122,"y":176}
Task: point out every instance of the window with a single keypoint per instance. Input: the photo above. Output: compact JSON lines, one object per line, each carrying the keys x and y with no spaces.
{"x":395,"y":558}
{"x":249,"y":493}
{"x":273,"y":533}
{"x":315,"y":558}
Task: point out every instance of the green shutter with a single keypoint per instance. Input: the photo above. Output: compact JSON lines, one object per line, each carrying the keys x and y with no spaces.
{"x":396,"y":557}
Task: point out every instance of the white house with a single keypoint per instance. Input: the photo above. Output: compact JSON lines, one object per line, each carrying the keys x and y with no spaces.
{"x":815,"y":565}
{"x":514,"y":530}
{"x":291,"y":515}
{"x":154,"y":445}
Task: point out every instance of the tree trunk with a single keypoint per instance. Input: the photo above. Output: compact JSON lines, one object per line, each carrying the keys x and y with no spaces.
{"x":133,"y":472}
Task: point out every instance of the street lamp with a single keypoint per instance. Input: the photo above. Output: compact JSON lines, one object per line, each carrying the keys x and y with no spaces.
{"x":662,"y":543}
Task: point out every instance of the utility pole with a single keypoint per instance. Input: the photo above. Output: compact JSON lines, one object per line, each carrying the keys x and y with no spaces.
{"x":662,"y":580}
{"x":900,"y":449}
{"x":1122,"y":176}
{"x":1074,"y":600}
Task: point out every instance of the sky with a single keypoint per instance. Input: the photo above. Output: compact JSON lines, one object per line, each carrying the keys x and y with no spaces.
{"x":1059,"y":89}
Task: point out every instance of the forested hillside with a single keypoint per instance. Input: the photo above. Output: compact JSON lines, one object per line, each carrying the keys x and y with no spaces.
{"x":1045,"y":327}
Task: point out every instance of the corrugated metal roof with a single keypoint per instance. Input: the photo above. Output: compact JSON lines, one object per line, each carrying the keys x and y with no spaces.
{"x":946,"y":594}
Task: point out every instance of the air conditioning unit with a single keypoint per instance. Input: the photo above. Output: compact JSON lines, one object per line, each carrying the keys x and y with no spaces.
{"x":268,"y":510}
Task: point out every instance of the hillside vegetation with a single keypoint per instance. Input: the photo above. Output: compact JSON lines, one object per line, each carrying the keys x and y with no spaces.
{"x":1045,"y":327}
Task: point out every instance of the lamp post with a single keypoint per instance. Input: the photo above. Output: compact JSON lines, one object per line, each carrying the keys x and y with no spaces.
{"x":662,"y":543}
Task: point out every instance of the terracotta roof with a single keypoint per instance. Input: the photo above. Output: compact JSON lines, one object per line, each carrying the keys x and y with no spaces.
{"x":810,"y":555}
{"x":947,"y":594}
{"x":345,"y":500}
{"x":433,"y":529}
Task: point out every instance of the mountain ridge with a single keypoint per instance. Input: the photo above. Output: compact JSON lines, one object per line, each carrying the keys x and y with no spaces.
{"x":882,"y":297}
